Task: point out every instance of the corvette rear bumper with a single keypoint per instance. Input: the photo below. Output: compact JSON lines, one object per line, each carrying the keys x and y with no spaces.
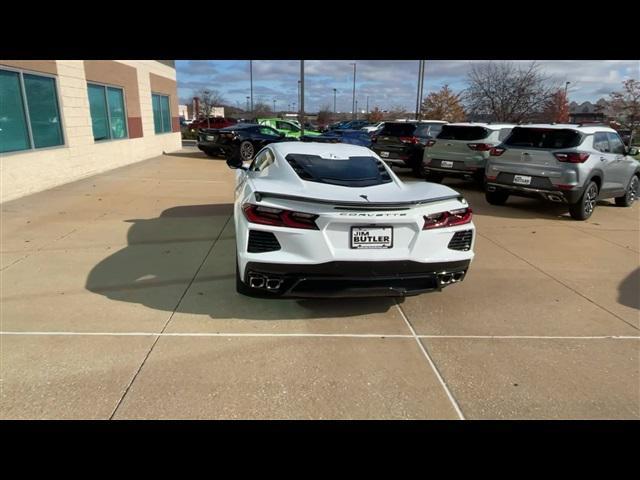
{"x":353,"y":279}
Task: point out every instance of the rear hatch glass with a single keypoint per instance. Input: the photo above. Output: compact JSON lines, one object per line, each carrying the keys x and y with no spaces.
{"x":398,"y":130}
{"x":456,"y":132}
{"x":543,"y":138}
{"x":350,"y":172}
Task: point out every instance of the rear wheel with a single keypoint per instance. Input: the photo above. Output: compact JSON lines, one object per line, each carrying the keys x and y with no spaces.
{"x":434,"y":177}
{"x":209,"y":152}
{"x":246,"y":150}
{"x":583,"y":208}
{"x":631,"y":194}
{"x":496,"y":198}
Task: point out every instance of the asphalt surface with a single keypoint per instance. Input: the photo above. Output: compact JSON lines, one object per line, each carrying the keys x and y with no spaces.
{"x":118,"y":301}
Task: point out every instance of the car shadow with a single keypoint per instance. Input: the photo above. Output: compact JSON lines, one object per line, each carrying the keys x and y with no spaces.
{"x":186,"y":258}
{"x":628,"y":290}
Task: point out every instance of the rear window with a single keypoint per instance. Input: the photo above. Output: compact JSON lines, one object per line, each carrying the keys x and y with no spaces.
{"x":543,"y":138}
{"x":350,"y":172}
{"x":428,"y":130}
{"x":398,"y":129}
{"x":453,"y":132}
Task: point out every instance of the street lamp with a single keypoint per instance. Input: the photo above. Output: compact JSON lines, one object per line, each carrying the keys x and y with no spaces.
{"x":251,"y":81}
{"x":566,"y":85}
{"x":367,"y":104}
{"x":248,"y":103}
{"x":274,"y":105}
{"x":334,"y":100}
{"x":356,"y":110}
{"x":353,"y":103}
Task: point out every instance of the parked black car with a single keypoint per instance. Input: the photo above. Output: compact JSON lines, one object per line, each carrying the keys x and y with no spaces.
{"x":402,"y":143}
{"x":248,"y":138}
{"x":354,"y":137}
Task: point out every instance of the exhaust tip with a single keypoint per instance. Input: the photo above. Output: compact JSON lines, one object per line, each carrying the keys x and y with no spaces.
{"x":274,"y":284}
{"x":256,"y":282}
{"x":458,"y":276}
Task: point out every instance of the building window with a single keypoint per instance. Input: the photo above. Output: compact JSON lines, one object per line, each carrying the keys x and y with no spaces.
{"x":29,"y":112}
{"x":108,"y":115}
{"x":161,"y":113}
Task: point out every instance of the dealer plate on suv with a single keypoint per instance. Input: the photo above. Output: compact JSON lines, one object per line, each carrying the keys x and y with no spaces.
{"x":522,"y":180}
{"x":371,"y":237}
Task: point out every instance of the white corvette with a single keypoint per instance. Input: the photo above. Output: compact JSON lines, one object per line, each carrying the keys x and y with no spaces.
{"x":332,"y":220}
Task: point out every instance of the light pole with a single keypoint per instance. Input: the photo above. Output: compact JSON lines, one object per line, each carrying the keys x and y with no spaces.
{"x":301,"y":84}
{"x":367,"y":104}
{"x":274,"y":106}
{"x":251,"y":81}
{"x":419,"y":94}
{"x":566,"y":85}
{"x":353,"y":103}
{"x":247,"y":103}
{"x":334,"y":101}
{"x":356,"y":110}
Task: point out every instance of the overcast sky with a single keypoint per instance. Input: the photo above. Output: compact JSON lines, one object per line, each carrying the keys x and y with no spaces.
{"x":387,"y":82}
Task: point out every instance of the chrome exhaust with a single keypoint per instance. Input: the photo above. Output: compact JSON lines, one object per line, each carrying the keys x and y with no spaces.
{"x":274,"y":283}
{"x":256,"y":282}
{"x":555,"y":198}
{"x":458,"y":276}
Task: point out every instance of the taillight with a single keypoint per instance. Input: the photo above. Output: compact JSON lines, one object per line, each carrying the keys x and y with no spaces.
{"x":430,"y":143}
{"x":447,"y":219}
{"x":480,"y":147}
{"x":497,"y":151}
{"x":279,"y":217}
{"x":374,"y":138}
{"x":572,"y":157}
{"x":412,"y":140}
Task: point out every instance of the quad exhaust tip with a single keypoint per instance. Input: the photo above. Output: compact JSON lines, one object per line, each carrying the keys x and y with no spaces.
{"x":260,"y":281}
{"x":448,"y":278}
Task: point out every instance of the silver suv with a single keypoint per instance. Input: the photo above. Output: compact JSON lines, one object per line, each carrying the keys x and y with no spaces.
{"x":568,"y":163}
{"x":461,"y":150}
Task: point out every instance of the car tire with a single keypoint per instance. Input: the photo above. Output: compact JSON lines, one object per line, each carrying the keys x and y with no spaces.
{"x":434,"y":177}
{"x":631,"y":194}
{"x":584,"y":207}
{"x":241,"y":287}
{"x":209,"y":153}
{"x":496,"y":198}
{"x":247,"y":150}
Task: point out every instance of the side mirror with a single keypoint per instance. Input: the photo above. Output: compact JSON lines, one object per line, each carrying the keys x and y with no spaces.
{"x":235,"y":162}
{"x":633,"y":151}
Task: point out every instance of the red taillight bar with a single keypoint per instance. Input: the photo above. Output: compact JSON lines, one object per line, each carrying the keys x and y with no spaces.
{"x":412,"y":140}
{"x":497,"y":151}
{"x":480,"y":147}
{"x":447,"y":219}
{"x":571,"y":157}
{"x":279,"y":217}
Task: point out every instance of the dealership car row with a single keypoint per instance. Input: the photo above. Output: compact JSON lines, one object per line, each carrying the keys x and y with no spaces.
{"x":572,"y":164}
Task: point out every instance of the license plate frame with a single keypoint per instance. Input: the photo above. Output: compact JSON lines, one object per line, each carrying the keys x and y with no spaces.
{"x":522,"y":180}
{"x":446,"y":164}
{"x":371,"y":230}
{"x":384,"y":154}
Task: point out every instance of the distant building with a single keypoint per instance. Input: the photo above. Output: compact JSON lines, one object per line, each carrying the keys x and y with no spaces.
{"x":588,"y":112}
{"x":183,"y":112}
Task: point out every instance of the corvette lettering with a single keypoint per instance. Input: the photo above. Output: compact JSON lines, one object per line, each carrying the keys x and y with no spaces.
{"x":373,"y":214}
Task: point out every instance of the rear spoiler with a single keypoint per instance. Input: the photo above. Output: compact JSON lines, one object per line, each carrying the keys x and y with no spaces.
{"x":368,"y":205}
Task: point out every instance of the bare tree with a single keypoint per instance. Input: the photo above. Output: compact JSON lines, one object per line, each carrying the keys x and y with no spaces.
{"x":261,"y":108}
{"x":625,"y":107}
{"x":508,"y":92}
{"x":396,"y":112}
{"x":325,"y":115}
{"x":207,"y":100}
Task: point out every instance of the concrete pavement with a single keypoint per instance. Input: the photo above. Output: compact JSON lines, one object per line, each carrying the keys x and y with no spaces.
{"x":118,"y":301}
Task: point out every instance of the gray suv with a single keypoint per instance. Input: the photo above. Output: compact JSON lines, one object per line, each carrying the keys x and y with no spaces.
{"x":461,"y":150}
{"x":568,"y":163}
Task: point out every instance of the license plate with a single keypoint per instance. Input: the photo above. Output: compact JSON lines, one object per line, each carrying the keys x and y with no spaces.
{"x":209,"y":138}
{"x":522,"y":180}
{"x":371,"y":237}
{"x":384,"y":154}
{"x":446,"y":164}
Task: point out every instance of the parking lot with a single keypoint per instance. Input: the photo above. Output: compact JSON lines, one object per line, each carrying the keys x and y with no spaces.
{"x":118,"y":301}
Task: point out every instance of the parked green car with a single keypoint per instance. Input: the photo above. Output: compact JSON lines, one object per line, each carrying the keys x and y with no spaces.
{"x":288,"y":127}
